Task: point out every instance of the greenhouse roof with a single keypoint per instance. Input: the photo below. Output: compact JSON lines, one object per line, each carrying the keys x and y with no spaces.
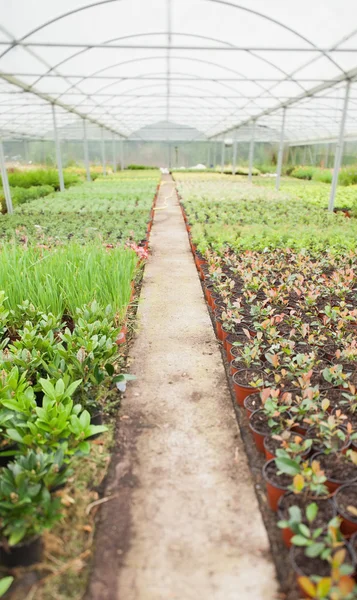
{"x":207,"y":67}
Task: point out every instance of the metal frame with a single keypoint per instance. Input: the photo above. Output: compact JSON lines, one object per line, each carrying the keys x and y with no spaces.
{"x":213,"y":112}
{"x":223,"y":148}
{"x":58,"y":150}
{"x":104,"y":165}
{"x":339,"y":149}
{"x":251,"y":151}
{"x":5,"y":181}
{"x":281,"y":151}
{"x":86,"y":152}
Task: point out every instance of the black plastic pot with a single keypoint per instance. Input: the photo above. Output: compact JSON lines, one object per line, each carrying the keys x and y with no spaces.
{"x":23,"y":554}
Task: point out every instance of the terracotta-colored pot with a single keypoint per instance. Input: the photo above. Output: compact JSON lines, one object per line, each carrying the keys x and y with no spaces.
{"x":274,"y":491}
{"x":242,"y":391}
{"x":258,"y":437}
{"x":348,"y":526}
{"x":245,"y":403}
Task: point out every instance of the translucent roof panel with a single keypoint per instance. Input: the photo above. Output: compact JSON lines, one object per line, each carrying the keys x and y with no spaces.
{"x":203,"y":67}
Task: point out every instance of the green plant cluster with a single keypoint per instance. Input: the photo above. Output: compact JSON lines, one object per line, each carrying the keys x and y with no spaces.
{"x":35,"y":177}
{"x":63,"y":311}
{"x":224,"y":213}
{"x":347,"y":175}
{"x":51,"y":375}
{"x":134,"y":167}
{"x":111,"y":210}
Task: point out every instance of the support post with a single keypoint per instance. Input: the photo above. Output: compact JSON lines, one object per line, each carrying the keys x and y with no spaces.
{"x":114,"y":154}
{"x":214,"y":154}
{"x":281,"y":151}
{"x":103,"y":153}
{"x":339,"y":148}
{"x":251,"y":153}
{"x":208,"y":155}
{"x":234,"y":158}
{"x":222,"y":157}
{"x":26,"y":151}
{"x":58,"y":150}
{"x":327,"y":154}
{"x":86,"y":153}
{"x":304,"y":156}
{"x":5,"y":181}
{"x":122,"y":155}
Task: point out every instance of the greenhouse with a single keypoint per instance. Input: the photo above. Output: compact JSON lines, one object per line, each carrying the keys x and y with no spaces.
{"x":178,"y":300}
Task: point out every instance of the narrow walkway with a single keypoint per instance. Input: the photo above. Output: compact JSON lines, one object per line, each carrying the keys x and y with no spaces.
{"x":195,"y":528}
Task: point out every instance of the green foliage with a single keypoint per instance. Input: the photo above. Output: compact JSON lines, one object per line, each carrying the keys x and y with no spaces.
{"x":243,"y":217}
{"x":59,"y":281}
{"x":40,"y":177}
{"x":112,"y":210}
{"x":139,"y":168}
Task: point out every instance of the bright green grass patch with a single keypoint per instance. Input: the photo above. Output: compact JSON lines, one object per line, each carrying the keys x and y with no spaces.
{"x":65,"y":278}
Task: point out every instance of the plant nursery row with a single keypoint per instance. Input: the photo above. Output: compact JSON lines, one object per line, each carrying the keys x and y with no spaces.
{"x":69,"y":271}
{"x":279,"y":276}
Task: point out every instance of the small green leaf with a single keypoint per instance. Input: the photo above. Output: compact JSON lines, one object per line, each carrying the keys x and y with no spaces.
{"x":17,"y":536}
{"x":299,"y":540}
{"x":312,"y":511}
{"x":5,"y":583}
{"x":109,"y":369}
{"x":315,"y":550}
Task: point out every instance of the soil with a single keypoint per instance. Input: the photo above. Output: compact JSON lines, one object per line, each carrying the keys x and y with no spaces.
{"x":325,"y":513}
{"x":319,"y":446}
{"x":253,"y":402}
{"x":336,"y":398}
{"x":272,"y":444}
{"x":282,"y":481}
{"x":345,"y":497}
{"x":314,"y":566}
{"x":259,"y":422}
{"x":337,"y":467}
{"x":246,"y":376}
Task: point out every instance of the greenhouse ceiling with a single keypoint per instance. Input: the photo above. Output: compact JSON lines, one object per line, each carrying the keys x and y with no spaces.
{"x":210,"y":67}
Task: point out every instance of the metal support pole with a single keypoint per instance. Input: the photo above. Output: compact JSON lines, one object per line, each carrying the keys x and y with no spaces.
{"x":169,"y":155}
{"x":26,"y":151}
{"x":222,"y":156}
{"x":214,"y":154}
{"x":311,"y":156}
{"x":208,"y":155}
{"x":122,"y":155}
{"x":58,"y":150}
{"x":281,"y":151}
{"x":234,"y":158}
{"x":251,"y":152}
{"x":304,"y":156}
{"x":339,"y":148}
{"x":114,"y":154}
{"x":5,"y":181}
{"x":103,"y":153}
{"x":327,"y":154}
{"x":86,"y":153}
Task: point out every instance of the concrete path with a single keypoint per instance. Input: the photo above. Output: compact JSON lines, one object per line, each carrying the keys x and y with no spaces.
{"x":195,"y":528}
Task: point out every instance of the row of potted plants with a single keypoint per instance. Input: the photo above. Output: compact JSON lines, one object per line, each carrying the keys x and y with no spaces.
{"x":54,"y":370}
{"x":287,"y":321}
